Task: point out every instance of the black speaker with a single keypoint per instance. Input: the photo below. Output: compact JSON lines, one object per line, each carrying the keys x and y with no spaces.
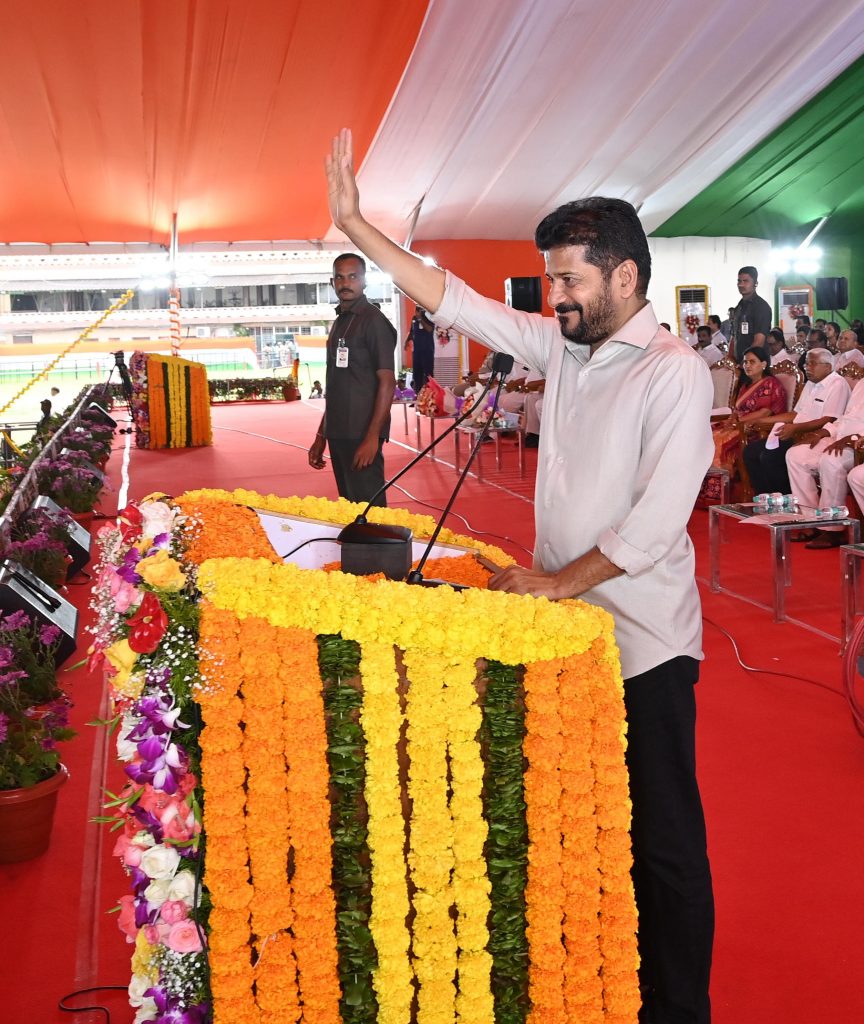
{"x":77,"y":538}
{"x":21,"y":591}
{"x":94,"y":411}
{"x":524,"y":293}
{"x":832,"y":293}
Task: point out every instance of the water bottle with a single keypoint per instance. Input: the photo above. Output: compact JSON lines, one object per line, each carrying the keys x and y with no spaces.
{"x":762,"y":500}
{"x":833,"y":512}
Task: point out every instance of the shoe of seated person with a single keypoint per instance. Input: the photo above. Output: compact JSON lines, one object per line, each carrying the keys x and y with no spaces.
{"x":827,"y":539}
{"x":532,"y":440}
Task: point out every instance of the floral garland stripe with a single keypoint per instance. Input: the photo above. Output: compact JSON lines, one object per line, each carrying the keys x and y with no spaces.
{"x":611,"y":793}
{"x":309,"y":816}
{"x":267,"y":822}
{"x":431,"y":856}
{"x":507,"y":845}
{"x":544,"y":893}
{"x":338,"y":661}
{"x":583,"y":985}
{"x":223,"y":775}
{"x":474,"y":1004}
{"x":169,"y":404}
{"x":381,"y":719}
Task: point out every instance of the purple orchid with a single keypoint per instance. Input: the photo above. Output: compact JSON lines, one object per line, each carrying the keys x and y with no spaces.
{"x":171,"y":1010}
{"x":126,"y":571}
{"x":162,"y":764}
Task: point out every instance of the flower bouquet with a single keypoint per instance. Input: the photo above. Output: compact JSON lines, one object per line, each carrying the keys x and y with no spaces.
{"x":94,"y":441}
{"x":34,"y":710}
{"x":39,"y":543}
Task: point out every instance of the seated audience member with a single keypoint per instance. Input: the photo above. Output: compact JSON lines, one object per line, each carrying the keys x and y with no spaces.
{"x":776,"y":345}
{"x":718,"y":338}
{"x":857,"y":325}
{"x":847,"y":343}
{"x":823,"y":399}
{"x":759,"y":395}
{"x":726,"y":326}
{"x":820,"y":323}
{"x":513,"y":396}
{"x":827,"y":459}
{"x":317,"y":391}
{"x":801,"y":338}
{"x":802,"y":321}
{"x":533,"y":415}
{"x":816,"y":338}
{"x":706,"y":347}
{"x":832,"y":333}
{"x":471,"y":378}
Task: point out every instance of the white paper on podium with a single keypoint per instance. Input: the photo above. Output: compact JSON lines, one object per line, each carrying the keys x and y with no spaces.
{"x":286,"y":533}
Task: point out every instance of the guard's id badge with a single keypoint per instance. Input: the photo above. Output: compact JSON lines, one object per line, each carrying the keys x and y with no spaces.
{"x":342,"y":356}
{"x":745,"y":327}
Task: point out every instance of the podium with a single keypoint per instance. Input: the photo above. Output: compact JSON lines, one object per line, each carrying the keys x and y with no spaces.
{"x":170,"y":402}
{"x":416,"y":800}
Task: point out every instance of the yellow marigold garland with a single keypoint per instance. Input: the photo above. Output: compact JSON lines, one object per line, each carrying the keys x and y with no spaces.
{"x":431,"y":856}
{"x":382,"y":719}
{"x":471,"y":888}
{"x":544,"y":893}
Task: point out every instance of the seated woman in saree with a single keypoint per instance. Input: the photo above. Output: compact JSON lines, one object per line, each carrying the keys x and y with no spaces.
{"x":759,"y":395}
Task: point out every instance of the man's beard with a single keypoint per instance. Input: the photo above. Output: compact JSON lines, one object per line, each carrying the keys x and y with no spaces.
{"x":596,"y":322}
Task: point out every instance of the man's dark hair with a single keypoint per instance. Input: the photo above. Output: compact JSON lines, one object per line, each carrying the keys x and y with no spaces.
{"x":803,"y":319}
{"x":351,"y":256}
{"x":818,"y":335}
{"x":609,"y":230}
{"x":777,"y":335}
{"x":751,"y":272}
{"x":714,"y":319}
{"x":703,"y":329}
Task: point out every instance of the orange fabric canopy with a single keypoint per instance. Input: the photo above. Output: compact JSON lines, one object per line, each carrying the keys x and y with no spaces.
{"x":114,"y":114}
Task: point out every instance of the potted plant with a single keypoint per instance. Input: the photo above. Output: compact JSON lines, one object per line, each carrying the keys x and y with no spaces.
{"x":39,"y":543}
{"x":72,"y":485}
{"x":94,"y":440}
{"x":34,"y":718}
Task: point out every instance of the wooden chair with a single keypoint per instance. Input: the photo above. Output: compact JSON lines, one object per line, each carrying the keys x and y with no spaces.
{"x":851,"y":373}
{"x":724,"y":374}
{"x":792,"y":379}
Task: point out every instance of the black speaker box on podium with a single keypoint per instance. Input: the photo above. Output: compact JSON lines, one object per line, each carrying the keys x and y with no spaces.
{"x":21,"y":591}
{"x":524,"y":293}
{"x":832,"y":293}
{"x":77,"y":537}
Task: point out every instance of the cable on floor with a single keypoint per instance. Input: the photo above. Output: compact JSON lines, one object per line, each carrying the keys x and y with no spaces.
{"x":61,"y":1003}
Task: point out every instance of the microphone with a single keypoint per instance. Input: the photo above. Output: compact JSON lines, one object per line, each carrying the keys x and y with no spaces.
{"x":379,"y":547}
{"x":415,"y":577}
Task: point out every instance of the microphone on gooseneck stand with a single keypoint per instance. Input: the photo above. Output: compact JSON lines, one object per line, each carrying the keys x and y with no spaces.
{"x":416,"y":575}
{"x":379,"y":547}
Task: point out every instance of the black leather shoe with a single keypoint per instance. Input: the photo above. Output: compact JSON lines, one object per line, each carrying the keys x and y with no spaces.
{"x":532,"y":440}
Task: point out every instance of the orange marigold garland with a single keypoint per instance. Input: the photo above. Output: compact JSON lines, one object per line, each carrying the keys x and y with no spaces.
{"x":544,"y":893}
{"x":267,"y":822}
{"x":612,"y":797}
{"x":309,"y":815}
{"x":215,"y":529}
{"x":583,"y":986}
{"x":223,"y":774}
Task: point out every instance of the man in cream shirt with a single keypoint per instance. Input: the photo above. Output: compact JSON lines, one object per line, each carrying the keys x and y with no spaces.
{"x":624,"y":447}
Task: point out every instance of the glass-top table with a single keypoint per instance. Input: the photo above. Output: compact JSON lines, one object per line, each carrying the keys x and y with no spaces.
{"x":780,"y":523}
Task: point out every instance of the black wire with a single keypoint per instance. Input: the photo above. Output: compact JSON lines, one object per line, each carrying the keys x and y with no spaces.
{"x":770,"y":671}
{"x":61,"y":1003}
{"x":312,"y":540}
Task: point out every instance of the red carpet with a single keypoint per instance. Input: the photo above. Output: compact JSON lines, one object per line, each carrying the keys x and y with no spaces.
{"x":781,"y":765}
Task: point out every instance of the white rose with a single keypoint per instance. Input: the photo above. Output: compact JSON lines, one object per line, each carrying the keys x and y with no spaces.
{"x":160,"y":862}
{"x":182,"y":887}
{"x":143,"y":839}
{"x":126,"y":748}
{"x":157,"y":518}
{"x":137,"y":987}
{"x":147,"y":1012}
{"x":157,"y":891}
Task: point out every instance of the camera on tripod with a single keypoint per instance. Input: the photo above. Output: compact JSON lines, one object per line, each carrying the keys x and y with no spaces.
{"x":125,"y":384}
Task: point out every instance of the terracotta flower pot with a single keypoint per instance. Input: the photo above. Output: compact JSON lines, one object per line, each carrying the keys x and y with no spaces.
{"x":27,"y":817}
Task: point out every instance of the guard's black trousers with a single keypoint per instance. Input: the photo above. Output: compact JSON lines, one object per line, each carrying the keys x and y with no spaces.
{"x":671,"y":875}
{"x":356,"y":484}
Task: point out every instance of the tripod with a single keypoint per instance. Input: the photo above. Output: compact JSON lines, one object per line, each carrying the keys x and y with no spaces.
{"x":125,"y":386}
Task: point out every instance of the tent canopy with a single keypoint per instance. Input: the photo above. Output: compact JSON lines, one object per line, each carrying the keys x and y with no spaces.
{"x":117,"y":114}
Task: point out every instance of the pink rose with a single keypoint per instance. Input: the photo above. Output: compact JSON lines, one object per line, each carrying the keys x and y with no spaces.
{"x":127,"y":851}
{"x":184,"y":938}
{"x":126,"y":917}
{"x":124,"y":594}
{"x":156,"y":934}
{"x":174,"y":911}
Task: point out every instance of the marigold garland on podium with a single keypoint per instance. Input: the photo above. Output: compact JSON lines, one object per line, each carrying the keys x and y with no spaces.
{"x":415,"y":799}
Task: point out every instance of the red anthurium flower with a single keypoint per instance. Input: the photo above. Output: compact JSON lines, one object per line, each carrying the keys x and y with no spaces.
{"x":130,"y":523}
{"x":147,"y":626}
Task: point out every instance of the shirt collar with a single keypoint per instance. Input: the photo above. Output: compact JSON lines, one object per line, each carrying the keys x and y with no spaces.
{"x":353,"y":307}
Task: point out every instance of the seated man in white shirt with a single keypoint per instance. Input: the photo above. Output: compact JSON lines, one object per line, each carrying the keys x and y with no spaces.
{"x":849,"y":351}
{"x":706,"y":347}
{"x":826,"y":460}
{"x":718,"y":338}
{"x":823,"y":399}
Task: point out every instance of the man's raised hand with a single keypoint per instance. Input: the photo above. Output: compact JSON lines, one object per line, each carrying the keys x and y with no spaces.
{"x":342,"y":192}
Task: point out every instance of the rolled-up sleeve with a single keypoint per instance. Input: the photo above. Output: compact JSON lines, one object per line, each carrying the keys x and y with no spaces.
{"x":676,"y":452}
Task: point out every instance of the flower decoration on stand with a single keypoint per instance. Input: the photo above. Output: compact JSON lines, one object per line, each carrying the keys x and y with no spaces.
{"x":691,"y":322}
{"x":145,"y":638}
{"x":796,"y":311}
